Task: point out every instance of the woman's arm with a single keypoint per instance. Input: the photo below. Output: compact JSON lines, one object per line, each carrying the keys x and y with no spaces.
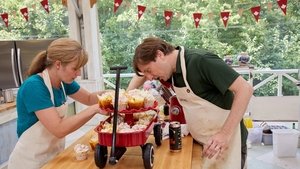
{"x":60,"y":127}
{"x":86,"y":97}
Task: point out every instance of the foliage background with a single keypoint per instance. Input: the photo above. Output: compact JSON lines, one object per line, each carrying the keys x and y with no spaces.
{"x":273,"y":42}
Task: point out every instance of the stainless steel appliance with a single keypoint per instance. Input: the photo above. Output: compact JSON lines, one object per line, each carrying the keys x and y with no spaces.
{"x":16,"y":57}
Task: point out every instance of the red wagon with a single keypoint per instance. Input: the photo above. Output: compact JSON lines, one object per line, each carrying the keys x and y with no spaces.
{"x":119,"y":141}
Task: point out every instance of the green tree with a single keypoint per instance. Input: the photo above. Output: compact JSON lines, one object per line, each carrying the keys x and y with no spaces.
{"x":272,"y":42}
{"x":41,"y":25}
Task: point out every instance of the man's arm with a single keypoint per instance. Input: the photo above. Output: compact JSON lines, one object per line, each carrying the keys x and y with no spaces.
{"x":136,"y":82}
{"x":242,"y":93}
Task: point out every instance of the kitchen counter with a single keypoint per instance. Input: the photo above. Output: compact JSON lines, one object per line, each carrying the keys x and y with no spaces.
{"x":7,"y":106}
{"x":188,"y":157}
{"x":7,"y":112}
{"x":8,"y":135}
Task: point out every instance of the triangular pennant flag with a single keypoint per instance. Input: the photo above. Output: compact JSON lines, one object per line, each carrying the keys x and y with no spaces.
{"x":127,"y":4}
{"x":45,"y":5}
{"x":154,"y":10}
{"x":210,"y":15}
{"x":240,"y":11}
{"x":117,"y":4}
{"x":141,"y":10}
{"x":4,"y":17}
{"x":24,"y":12}
{"x":178,"y":15}
{"x":269,"y":6}
{"x":92,"y":2}
{"x":14,"y":14}
{"x":33,"y":6}
{"x":225,"y":17}
{"x":64,"y":2}
{"x":168,"y":17}
{"x":282,"y":5}
{"x":197,"y":18}
{"x":256,"y":12}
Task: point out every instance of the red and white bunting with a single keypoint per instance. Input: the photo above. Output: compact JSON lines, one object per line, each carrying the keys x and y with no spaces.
{"x":45,"y":5}
{"x":225,"y":17}
{"x":168,"y":17}
{"x":141,"y":10}
{"x":197,"y":18}
{"x":256,"y":12}
{"x":4,"y":17}
{"x":282,"y":5}
{"x":117,"y":4}
{"x":24,"y":12}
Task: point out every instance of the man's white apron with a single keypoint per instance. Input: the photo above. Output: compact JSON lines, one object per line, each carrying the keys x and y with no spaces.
{"x":205,"y":119}
{"x":37,"y":145}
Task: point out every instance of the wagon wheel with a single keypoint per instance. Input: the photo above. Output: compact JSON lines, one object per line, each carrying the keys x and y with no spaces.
{"x":157,"y":134}
{"x":148,"y":155}
{"x":100,"y":156}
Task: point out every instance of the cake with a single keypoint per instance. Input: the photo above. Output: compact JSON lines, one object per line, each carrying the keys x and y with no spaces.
{"x":122,"y":101}
{"x":81,"y":151}
{"x":136,"y":102}
{"x":133,"y":99}
{"x":93,"y":141}
{"x":149,"y":99}
{"x":105,"y":100}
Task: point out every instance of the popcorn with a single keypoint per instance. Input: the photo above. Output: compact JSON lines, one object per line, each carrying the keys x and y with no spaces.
{"x":142,"y":120}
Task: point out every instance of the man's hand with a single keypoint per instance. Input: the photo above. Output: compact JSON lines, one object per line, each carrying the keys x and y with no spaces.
{"x":216,"y":145}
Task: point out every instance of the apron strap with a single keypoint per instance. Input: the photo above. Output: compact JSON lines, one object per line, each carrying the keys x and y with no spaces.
{"x":46,"y":77}
{"x":183,"y":67}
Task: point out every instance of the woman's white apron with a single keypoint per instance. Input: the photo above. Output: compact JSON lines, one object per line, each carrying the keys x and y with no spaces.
{"x":37,"y":145}
{"x":205,"y":119}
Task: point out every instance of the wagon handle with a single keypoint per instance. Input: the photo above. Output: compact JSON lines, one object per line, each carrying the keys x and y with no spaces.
{"x":113,"y":158}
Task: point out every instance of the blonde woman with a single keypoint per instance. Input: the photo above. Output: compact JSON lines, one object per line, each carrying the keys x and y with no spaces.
{"x":41,"y":104}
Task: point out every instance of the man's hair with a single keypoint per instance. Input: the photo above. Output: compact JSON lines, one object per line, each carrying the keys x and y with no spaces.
{"x":146,"y":52}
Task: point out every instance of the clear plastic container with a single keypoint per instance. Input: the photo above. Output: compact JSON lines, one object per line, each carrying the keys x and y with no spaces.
{"x":285,"y":142}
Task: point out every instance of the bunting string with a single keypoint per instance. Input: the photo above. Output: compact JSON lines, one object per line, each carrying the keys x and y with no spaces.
{"x":167,"y":14}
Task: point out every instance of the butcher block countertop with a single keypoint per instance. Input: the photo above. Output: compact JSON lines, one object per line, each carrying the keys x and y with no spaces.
{"x":7,"y":106}
{"x":7,"y":112}
{"x":188,"y":158}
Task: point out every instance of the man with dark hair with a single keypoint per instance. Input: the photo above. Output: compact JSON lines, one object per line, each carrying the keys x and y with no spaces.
{"x":214,"y":97}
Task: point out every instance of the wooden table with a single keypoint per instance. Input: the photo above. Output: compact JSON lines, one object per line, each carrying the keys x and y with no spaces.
{"x":188,"y":158}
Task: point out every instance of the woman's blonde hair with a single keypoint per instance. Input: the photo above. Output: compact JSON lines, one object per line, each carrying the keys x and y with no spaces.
{"x":65,"y":50}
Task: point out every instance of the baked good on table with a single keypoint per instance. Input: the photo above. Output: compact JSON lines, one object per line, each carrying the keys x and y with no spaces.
{"x":136,"y":102}
{"x":93,"y":140}
{"x":123,"y":101}
{"x":149,"y":99}
{"x":133,"y":99}
{"x":81,"y":151}
{"x":105,"y":100}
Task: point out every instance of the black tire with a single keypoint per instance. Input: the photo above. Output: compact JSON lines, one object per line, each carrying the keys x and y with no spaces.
{"x":157,"y":134}
{"x":148,"y":155}
{"x":100,"y":156}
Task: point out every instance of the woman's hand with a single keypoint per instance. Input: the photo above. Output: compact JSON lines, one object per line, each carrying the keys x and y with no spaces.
{"x":96,"y":109}
{"x":216,"y":145}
